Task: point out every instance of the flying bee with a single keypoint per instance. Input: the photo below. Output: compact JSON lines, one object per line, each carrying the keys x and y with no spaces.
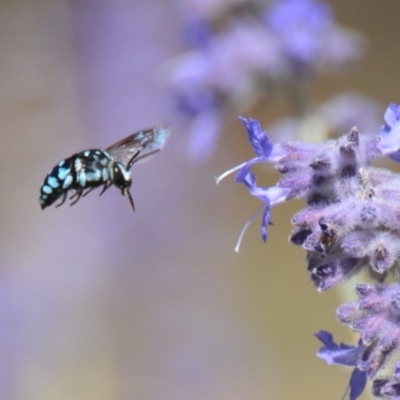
{"x":89,"y":169}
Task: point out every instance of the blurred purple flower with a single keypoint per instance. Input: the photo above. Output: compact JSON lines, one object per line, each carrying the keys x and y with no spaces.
{"x":346,"y":110}
{"x":204,"y":129}
{"x":221,"y":75}
{"x":208,"y":9}
{"x":301,"y":25}
{"x":309,"y":36}
{"x":198,"y":32}
{"x":249,"y":54}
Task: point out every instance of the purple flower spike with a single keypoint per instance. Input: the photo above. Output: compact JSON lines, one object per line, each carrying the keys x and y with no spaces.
{"x":390,"y":133}
{"x":375,"y":317}
{"x":343,"y":354}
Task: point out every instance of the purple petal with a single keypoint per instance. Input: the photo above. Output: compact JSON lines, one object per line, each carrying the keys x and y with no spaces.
{"x":390,"y":133}
{"x":334,"y":354}
{"x":269,"y":196}
{"x":243,"y":175}
{"x":397,"y":369}
{"x":258,"y":138}
{"x":246,"y":177}
{"x":357,"y":383}
{"x":327,"y":339}
{"x":265,"y":221}
{"x":392,"y":115}
{"x":262,"y":194}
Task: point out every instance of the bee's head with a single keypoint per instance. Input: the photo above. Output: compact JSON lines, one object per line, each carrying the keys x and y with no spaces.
{"x":121,"y":177}
{"x":122,"y":180}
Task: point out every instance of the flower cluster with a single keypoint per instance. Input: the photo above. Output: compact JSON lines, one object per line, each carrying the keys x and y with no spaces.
{"x":350,"y":222}
{"x":241,"y":52}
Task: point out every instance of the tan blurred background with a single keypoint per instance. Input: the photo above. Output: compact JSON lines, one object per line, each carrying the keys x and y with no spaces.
{"x":99,"y":303}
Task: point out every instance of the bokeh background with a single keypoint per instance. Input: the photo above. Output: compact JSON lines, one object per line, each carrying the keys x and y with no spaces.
{"x":99,"y":303}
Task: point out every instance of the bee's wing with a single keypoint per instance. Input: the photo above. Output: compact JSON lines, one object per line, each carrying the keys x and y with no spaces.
{"x":147,"y":142}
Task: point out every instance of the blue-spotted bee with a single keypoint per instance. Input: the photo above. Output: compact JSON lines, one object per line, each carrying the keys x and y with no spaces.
{"x":89,"y":169}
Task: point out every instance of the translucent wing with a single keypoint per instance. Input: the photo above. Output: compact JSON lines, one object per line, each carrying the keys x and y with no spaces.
{"x":147,"y":142}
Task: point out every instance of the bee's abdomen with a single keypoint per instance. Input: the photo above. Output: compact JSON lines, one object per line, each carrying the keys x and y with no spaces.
{"x":85,"y":170}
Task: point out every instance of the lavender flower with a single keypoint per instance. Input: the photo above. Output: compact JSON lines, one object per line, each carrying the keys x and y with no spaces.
{"x":350,"y":222}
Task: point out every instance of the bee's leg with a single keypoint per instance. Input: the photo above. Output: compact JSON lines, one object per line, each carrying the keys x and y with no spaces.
{"x":88,"y":191}
{"x":78,"y":195}
{"x":63,"y":199}
{"x":105,"y":187}
{"x":132,"y":160}
{"x":127,"y":193}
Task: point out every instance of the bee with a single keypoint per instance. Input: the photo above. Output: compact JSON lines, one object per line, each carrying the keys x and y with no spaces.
{"x":328,"y":236}
{"x":89,"y":169}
